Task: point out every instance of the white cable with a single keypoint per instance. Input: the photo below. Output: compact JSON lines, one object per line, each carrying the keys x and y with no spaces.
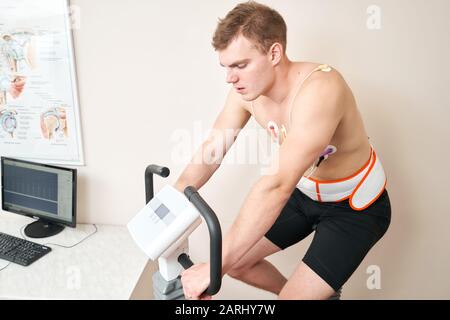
{"x":312,"y":171}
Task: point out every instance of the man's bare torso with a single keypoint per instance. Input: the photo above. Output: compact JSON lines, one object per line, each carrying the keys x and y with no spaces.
{"x":350,"y":137}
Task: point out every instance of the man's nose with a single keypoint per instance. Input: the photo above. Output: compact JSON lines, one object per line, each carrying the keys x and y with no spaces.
{"x":232,"y":77}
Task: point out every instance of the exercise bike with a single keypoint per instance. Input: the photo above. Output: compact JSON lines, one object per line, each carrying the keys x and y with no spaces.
{"x":161,"y":229}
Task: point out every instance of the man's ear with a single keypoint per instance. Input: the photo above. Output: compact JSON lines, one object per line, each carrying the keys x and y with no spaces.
{"x":275,"y":53}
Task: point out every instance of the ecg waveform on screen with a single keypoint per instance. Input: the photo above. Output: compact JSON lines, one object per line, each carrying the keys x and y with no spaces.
{"x":30,"y":188}
{"x":43,"y":185}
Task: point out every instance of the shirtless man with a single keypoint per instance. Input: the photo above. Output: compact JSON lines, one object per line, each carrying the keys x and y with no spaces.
{"x":340,"y":195}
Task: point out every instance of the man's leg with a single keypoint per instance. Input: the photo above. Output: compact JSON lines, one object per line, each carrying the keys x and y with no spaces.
{"x":256,"y":271}
{"x":342,"y":240}
{"x":305,"y":284}
{"x":290,"y":227}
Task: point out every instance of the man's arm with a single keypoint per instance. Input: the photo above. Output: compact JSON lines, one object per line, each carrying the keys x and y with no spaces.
{"x":316,"y":115}
{"x":208,"y":157}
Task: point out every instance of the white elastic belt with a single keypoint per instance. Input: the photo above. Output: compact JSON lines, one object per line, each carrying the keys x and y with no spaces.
{"x":362,"y":188}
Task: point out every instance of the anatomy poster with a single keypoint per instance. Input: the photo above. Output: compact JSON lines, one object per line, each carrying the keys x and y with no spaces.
{"x":39,"y":111}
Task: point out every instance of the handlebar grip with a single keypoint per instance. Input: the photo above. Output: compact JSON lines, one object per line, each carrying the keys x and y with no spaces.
{"x":149,"y":172}
{"x":159,"y":170}
{"x":215,"y":235}
{"x":185,"y":261}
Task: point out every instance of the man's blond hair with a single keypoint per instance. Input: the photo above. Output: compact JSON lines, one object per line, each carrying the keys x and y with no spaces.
{"x":257,"y":22}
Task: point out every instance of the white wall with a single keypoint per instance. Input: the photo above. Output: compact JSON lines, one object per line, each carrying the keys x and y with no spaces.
{"x":146,"y":69}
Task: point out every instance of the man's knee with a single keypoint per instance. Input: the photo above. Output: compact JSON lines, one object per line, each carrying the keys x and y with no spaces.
{"x":255,"y":256}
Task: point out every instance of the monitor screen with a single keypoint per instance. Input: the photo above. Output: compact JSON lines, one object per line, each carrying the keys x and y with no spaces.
{"x":39,"y":190}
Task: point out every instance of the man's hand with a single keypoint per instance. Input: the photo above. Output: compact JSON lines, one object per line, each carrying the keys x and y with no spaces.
{"x":195,"y":281}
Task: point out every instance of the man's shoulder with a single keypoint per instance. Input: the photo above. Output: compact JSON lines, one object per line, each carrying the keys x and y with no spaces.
{"x":320,"y":82}
{"x":326,"y":89}
{"x":324,"y":75}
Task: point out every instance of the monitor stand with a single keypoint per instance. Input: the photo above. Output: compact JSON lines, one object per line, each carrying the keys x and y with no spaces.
{"x":42,"y":229}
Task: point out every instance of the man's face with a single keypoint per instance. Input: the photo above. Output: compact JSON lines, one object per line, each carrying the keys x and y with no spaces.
{"x":248,"y":69}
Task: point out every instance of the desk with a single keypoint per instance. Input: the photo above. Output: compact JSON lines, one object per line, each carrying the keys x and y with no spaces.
{"x":108,"y":265}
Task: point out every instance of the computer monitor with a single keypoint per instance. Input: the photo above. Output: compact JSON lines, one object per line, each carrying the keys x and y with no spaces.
{"x":41,"y":191}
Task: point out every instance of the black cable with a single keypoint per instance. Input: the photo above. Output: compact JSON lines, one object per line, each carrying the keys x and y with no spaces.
{"x":320,"y":161}
{"x":68,"y":247}
{"x":5,"y":266}
{"x":60,"y":245}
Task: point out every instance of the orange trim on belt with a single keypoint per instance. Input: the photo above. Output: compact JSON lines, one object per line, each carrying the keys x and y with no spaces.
{"x":343,"y":199}
{"x":370,"y":203}
{"x":318,"y":192}
{"x":360,"y":183}
{"x":372,"y":152}
{"x":350,"y":197}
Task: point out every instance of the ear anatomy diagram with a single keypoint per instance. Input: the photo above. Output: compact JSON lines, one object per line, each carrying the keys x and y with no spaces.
{"x":54,"y":123}
{"x":8,"y":121}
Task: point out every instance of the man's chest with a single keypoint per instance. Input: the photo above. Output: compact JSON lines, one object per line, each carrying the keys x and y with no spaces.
{"x":275,"y":120}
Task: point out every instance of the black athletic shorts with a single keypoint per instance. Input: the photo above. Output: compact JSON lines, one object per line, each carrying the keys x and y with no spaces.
{"x":342,"y":236}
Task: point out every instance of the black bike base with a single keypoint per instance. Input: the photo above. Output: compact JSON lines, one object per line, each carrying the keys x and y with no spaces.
{"x":42,"y":229}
